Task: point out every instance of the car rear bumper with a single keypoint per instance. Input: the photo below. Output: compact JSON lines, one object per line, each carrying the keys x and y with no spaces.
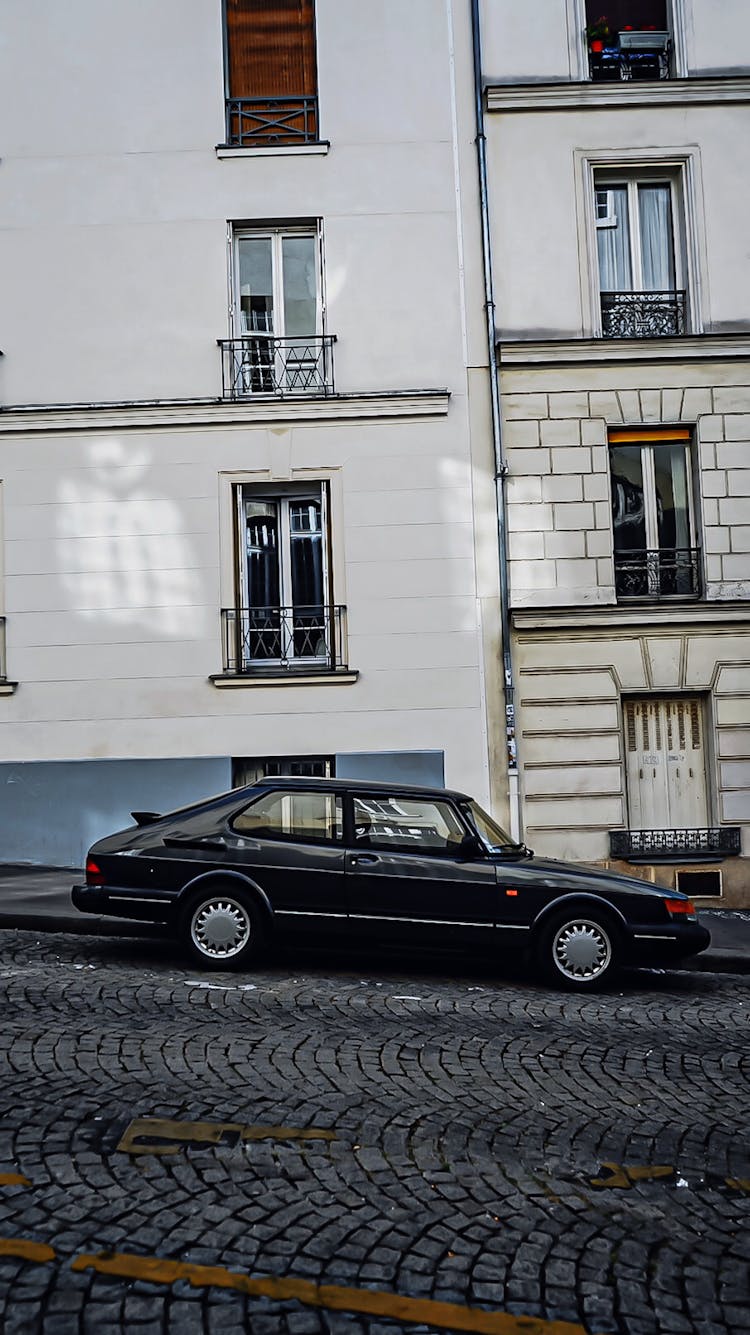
{"x":121,"y":902}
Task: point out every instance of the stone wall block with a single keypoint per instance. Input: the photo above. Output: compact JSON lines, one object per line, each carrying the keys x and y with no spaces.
{"x":605,"y":403}
{"x":573,"y":516}
{"x":716,"y":541}
{"x":521,"y":435}
{"x":734,"y":510}
{"x":600,"y":459}
{"x":739,"y":537}
{"x":651,"y":406}
{"x":574,"y":460}
{"x":599,"y":543}
{"x":569,"y":404}
{"x":710,"y":510}
{"x":735,"y":454}
{"x":525,"y":490}
{"x":707,"y":454}
{"x":602,"y":514}
{"x":596,"y":487}
{"x":711,"y":428}
{"x":605,"y":568}
{"x":524,"y":405}
{"x":562,"y":486}
{"x":527,"y":546}
{"x":529,"y":518}
{"x":529,"y":461}
{"x":736,"y":568}
{"x":732,"y":399}
{"x":561,"y":431}
{"x":594,"y":431}
{"x":671,"y":405}
{"x":737,"y":427}
{"x":630,"y":405}
{"x":713,"y":483}
{"x":739,"y":481}
{"x":573,"y":574}
{"x":568,"y":544}
{"x":696,"y":403}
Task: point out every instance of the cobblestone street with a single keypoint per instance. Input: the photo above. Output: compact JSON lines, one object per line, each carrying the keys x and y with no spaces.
{"x":472,"y":1140}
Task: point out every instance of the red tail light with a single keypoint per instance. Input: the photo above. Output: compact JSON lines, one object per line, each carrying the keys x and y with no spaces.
{"x":677,"y":907}
{"x":94,"y":873}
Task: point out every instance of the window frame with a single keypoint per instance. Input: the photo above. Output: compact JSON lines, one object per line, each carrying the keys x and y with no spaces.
{"x":578,"y":45}
{"x":337,"y":799}
{"x":275,"y":232}
{"x":293,"y":143}
{"x":682,"y":168}
{"x":394,"y":846}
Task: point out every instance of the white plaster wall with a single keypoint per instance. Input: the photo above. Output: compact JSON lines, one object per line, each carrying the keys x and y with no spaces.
{"x":718,"y":33}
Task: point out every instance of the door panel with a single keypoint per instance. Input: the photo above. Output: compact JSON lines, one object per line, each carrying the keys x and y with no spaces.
{"x":666,"y":764}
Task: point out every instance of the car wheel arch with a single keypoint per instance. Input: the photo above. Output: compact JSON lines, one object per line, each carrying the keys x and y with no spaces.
{"x":571,"y":902}
{"x":208,"y":879}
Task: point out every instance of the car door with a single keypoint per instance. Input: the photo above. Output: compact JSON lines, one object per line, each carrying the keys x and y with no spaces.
{"x":408,"y":876}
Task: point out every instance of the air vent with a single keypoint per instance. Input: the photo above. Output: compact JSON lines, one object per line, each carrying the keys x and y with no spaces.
{"x":698,"y":884}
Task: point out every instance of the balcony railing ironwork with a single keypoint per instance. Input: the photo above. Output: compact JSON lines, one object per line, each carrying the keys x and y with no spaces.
{"x":265,"y":640}
{"x":261,"y":364}
{"x":669,"y":573}
{"x":709,"y":845}
{"x":636,"y":55}
{"x":643,"y":314}
{"x":270,"y":122}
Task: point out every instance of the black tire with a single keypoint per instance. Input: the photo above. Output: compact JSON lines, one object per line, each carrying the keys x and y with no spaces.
{"x":579,"y":949}
{"x":221,"y":927}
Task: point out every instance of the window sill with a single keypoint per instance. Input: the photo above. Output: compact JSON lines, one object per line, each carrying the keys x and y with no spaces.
{"x":318,"y":149}
{"x":590,"y":96}
{"x":8,"y":687}
{"x":236,"y":680}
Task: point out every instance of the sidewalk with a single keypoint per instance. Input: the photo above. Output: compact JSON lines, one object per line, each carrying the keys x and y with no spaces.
{"x":38,"y":900}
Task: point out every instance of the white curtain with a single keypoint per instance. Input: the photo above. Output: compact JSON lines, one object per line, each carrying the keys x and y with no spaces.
{"x":657,"y":257}
{"x":613,"y":244}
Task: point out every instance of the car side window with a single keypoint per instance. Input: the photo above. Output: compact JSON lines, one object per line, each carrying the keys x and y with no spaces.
{"x":412,"y":825}
{"x":300,"y":817}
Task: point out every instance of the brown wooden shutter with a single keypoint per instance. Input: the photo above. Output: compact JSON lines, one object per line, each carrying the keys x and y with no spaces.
{"x":271,"y":48}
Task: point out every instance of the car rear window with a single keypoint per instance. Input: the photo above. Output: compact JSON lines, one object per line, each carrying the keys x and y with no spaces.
{"x":302,"y":817}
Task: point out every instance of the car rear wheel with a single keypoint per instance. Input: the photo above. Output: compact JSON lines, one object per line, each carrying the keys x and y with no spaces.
{"x":221,"y":928}
{"x":579,"y":950}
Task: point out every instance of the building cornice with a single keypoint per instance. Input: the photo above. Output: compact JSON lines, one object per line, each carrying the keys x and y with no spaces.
{"x":584,"y":351}
{"x":661,"y":617}
{"x":21,"y":420}
{"x":617,"y":96}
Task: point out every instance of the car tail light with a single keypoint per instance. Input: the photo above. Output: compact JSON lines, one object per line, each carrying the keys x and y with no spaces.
{"x":680,"y":908}
{"x":94,"y":873}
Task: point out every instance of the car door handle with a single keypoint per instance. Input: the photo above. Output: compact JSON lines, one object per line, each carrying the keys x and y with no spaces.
{"x":360,"y":859}
{"x":186,"y":841}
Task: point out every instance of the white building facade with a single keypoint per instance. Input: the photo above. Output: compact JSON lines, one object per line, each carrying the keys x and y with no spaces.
{"x":619,"y":170}
{"x":245,"y":480}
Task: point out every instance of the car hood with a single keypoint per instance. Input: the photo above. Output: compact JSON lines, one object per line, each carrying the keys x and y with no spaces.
{"x":579,"y":875}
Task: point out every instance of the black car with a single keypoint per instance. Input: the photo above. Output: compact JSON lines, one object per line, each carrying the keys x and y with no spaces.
{"x":375,"y":863}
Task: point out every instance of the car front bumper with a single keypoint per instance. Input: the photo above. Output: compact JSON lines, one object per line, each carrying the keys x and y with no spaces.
{"x":674,"y":941}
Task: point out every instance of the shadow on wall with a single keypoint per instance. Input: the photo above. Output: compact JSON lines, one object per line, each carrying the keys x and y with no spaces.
{"x":50,"y":813}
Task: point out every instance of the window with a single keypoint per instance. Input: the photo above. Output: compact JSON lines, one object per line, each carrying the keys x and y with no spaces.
{"x":246,"y":770}
{"x":628,"y":39}
{"x":299,"y":817}
{"x":641,"y":286}
{"x":277,"y":345}
{"x":284,"y":618}
{"x":270,"y":73}
{"x":406,"y":824}
{"x":653,"y":525}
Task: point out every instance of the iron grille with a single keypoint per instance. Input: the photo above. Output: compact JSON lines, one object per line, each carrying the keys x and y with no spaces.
{"x":675,"y":845}
{"x":643,"y":314}
{"x":669,"y":573}
{"x":262,"y":364}
{"x":268,"y":122}
{"x":637,"y":55}
{"x":265,"y":639}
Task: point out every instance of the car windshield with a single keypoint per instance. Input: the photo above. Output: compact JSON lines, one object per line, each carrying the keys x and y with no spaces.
{"x":488,"y":830}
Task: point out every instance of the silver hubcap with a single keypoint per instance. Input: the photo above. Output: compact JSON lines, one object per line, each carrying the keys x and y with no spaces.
{"x":581,"y":950}
{"x":220,"y":927}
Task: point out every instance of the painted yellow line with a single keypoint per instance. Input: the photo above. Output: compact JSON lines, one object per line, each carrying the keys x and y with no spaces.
{"x":14,"y":1180}
{"x":178,"y":1134}
{"x":333,"y":1297}
{"x":26,"y":1250}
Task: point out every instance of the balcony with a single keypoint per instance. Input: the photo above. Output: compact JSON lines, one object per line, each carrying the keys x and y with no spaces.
{"x":648,"y":846}
{"x":643,"y":314}
{"x":267,"y":641}
{"x":668,"y":573}
{"x":262,"y":364}
{"x":635,"y":55}
{"x":271,"y":122}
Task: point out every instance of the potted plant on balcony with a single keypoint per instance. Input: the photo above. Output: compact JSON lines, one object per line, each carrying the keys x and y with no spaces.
{"x":599,"y":35}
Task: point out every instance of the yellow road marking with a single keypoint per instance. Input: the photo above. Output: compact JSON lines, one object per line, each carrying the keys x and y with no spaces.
{"x":333,"y":1297}
{"x":622,"y":1177}
{"x":14,"y":1180}
{"x":26,"y":1250}
{"x":205,"y":1133}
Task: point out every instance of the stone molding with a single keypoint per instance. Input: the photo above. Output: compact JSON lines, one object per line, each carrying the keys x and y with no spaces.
{"x":588,"y":96}
{"x":20,"y":421}
{"x":693,"y":616}
{"x":587,"y":351}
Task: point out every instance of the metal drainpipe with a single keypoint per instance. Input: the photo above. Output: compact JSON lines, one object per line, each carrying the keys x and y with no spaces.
{"x":501,"y":467}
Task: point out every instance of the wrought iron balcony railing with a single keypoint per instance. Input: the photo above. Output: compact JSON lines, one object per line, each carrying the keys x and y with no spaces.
{"x":264,"y":640}
{"x":669,"y":573}
{"x":675,"y":845}
{"x":262,"y":364}
{"x":643,"y":314}
{"x":270,"y":122}
{"x":637,"y":55}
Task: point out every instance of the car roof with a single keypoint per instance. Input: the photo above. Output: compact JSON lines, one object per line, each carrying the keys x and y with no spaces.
{"x":355,"y":785}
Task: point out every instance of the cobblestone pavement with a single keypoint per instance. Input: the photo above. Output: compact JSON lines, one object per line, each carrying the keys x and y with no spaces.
{"x":474,"y":1140}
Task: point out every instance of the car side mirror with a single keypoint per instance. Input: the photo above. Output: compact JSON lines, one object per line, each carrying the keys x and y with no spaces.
{"x":470,"y":847}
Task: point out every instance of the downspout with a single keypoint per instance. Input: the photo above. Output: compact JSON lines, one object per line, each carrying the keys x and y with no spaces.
{"x":501,"y":467}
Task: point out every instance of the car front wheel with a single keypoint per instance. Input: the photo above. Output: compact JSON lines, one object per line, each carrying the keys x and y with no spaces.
{"x":221,"y":928}
{"x":578,"y":950}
